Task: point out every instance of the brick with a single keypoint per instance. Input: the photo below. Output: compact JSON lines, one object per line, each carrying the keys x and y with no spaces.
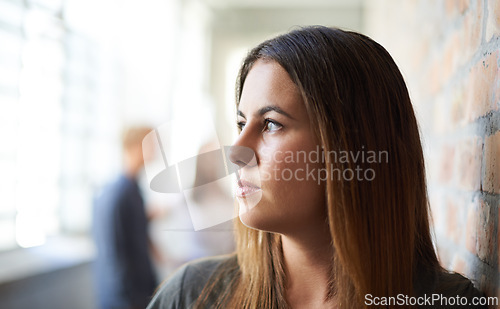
{"x":493,"y":22}
{"x":453,"y":220}
{"x":491,"y":167}
{"x":447,"y":164}
{"x":455,"y":7}
{"x":483,"y":82}
{"x":435,"y":79}
{"x":449,"y":6}
{"x":450,"y":56}
{"x":463,"y":40}
{"x":469,"y":157}
{"x":441,"y":121}
{"x":417,"y":53}
{"x":486,"y":244}
{"x":457,"y":110}
{"x":463,"y":5}
{"x":471,"y":29}
{"x":471,"y":229}
{"x":457,"y":50}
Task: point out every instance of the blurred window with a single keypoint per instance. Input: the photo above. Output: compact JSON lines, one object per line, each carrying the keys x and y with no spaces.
{"x":56,"y":139}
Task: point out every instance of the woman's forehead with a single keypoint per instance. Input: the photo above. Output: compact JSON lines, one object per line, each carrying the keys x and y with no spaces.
{"x":268,"y":83}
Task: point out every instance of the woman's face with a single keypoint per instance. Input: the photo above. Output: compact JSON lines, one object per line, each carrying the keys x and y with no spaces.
{"x":286,"y":192}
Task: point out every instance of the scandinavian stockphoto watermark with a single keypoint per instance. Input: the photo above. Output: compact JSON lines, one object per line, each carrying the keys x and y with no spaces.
{"x":197,"y":175}
{"x":433,"y":300}
{"x":319,"y":165}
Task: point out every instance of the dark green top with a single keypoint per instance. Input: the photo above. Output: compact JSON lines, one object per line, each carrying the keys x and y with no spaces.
{"x":182,"y":289}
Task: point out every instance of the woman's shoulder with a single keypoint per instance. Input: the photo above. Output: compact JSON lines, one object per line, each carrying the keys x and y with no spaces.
{"x":184,"y":286}
{"x":448,"y":289}
{"x":454,"y":283}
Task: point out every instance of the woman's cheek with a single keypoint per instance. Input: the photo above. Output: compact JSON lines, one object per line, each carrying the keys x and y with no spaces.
{"x":266,"y":154}
{"x":265,"y":175}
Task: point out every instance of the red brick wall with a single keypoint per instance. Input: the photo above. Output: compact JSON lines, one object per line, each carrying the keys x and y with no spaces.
{"x":449,"y":52}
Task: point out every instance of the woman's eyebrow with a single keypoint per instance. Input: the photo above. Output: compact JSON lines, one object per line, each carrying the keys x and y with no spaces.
{"x":266,"y":109}
{"x":269,"y":108}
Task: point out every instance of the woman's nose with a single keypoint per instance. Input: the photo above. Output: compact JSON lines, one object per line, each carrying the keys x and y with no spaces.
{"x":242,"y":156}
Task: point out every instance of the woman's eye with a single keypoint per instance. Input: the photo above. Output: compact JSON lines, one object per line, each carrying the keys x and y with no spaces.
{"x":272,"y":126}
{"x":240,"y":125}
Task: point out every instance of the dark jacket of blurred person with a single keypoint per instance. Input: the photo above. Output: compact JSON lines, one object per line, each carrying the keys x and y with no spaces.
{"x":124,"y":272}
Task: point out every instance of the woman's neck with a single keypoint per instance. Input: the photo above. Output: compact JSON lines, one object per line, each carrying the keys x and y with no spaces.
{"x":308,"y":267}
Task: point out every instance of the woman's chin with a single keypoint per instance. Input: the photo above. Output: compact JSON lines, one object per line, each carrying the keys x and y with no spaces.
{"x":257,"y":218}
{"x":248,"y":202}
{"x":249,"y":213}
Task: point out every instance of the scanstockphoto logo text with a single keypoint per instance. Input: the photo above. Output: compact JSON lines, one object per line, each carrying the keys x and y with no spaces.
{"x":432,"y":300}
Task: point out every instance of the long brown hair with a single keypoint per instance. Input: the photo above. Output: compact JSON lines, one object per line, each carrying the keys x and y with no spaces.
{"x":357,"y":100}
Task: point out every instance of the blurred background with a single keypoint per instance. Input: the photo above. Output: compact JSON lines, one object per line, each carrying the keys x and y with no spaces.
{"x":74,"y":73}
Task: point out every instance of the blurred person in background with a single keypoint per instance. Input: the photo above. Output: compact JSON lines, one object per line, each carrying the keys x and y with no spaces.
{"x":124,"y":272}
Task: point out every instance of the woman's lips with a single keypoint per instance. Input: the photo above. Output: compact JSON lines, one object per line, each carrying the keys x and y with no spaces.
{"x":246,"y":188}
